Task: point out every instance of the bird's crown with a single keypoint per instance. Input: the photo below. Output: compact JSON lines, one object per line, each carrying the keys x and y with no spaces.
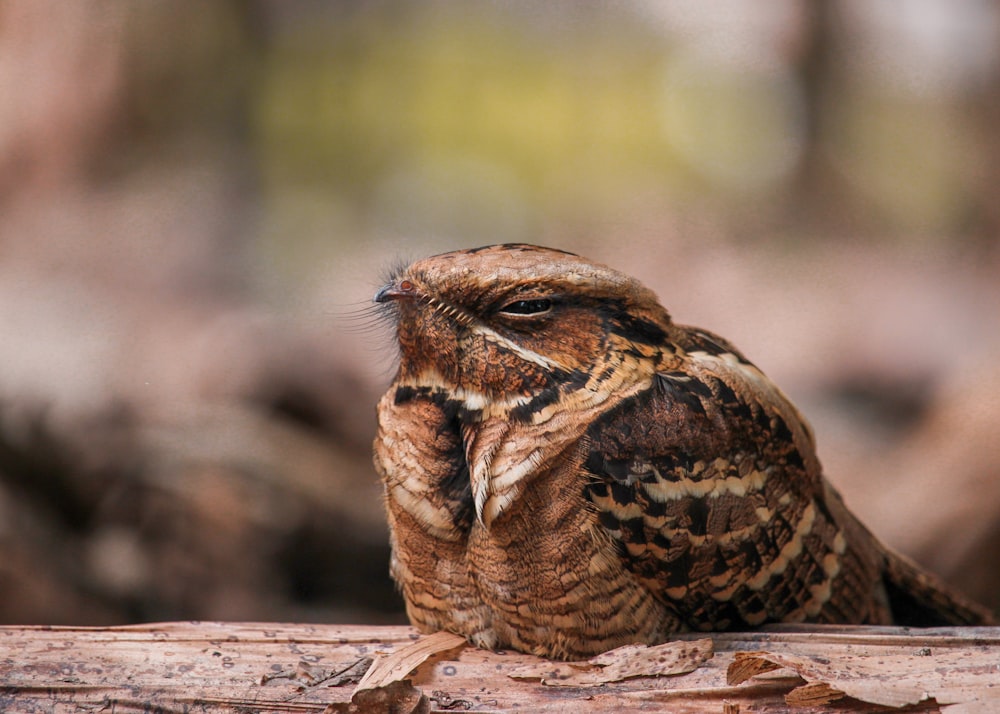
{"x":515,"y":318}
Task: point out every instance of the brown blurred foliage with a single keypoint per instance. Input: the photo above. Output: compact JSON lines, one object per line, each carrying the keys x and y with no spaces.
{"x":168,"y":448}
{"x":196,"y":201}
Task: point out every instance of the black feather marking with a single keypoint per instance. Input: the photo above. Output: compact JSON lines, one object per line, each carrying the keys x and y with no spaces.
{"x":661,"y":541}
{"x":574,"y":379}
{"x":751,"y":560}
{"x":741,"y":410}
{"x":405,"y":394}
{"x":618,"y":469}
{"x":762,"y":419}
{"x":622,"y":493}
{"x":794,"y":459}
{"x":598,"y":489}
{"x":608,"y":520}
{"x":457,"y":487}
{"x":678,"y":575}
{"x":654,"y":509}
{"x":720,"y":564}
{"x":704,"y":341}
{"x":725,"y":394}
{"x":637,"y":329}
{"x":525,"y":412}
{"x":681,"y":387}
{"x":697,"y":517}
{"x":595,"y":463}
{"x":780,"y":429}
{"x":634,"y":530}
{"x":675,"y":461}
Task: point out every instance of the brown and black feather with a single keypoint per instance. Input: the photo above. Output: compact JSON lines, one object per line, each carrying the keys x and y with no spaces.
{"x":566,"y":470}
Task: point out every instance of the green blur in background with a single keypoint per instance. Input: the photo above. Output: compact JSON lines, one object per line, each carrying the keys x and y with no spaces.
{"x":197,"y":201}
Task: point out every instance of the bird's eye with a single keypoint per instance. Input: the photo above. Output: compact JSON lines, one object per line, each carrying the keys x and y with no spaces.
{"x":527,"y":307}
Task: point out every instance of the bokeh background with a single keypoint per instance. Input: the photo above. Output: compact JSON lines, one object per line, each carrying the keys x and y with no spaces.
{"x":197,"y":201}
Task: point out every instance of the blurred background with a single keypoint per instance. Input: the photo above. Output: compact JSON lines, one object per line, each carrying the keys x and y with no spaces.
{"x":197,"y":201}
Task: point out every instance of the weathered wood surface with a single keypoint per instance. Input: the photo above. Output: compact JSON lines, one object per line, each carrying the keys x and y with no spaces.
{"x":241,"y":667}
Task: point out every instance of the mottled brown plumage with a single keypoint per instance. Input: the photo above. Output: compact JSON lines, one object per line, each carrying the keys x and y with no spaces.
{"x":566,"y":471}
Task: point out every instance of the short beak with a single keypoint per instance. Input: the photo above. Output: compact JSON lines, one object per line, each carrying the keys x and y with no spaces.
{"x":395,"y":291}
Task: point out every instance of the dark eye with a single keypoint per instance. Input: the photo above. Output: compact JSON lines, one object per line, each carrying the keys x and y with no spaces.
{"x":527,"y":307}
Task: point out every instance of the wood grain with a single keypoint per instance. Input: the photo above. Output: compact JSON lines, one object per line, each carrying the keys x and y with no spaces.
{"x":250,"y":667}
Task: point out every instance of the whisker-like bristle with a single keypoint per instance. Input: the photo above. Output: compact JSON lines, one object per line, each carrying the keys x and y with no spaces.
{"x":368,"y":318}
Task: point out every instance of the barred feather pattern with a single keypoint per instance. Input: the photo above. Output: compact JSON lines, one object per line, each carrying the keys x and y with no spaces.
{"x":566,"y":471}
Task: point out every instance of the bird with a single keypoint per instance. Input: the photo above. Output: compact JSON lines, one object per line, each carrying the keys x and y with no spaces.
{"x":566,"y":471}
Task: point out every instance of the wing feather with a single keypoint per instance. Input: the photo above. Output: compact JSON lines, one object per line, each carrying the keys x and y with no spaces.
{"x":710,"y":485}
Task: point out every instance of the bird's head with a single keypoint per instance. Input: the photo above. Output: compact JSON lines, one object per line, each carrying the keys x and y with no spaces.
{"x":513,"y":320}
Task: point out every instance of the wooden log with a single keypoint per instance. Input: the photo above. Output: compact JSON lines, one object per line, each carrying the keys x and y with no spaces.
{"x":263,"y":667}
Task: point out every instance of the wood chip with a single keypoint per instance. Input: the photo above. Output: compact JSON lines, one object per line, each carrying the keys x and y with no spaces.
{"x":617,"y":665}
{"x":395,"y":667}
{"x":873,"y":676}
{"x":393,"y":697}
{"x":748,"y":664}
{"x":814,"y":694}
